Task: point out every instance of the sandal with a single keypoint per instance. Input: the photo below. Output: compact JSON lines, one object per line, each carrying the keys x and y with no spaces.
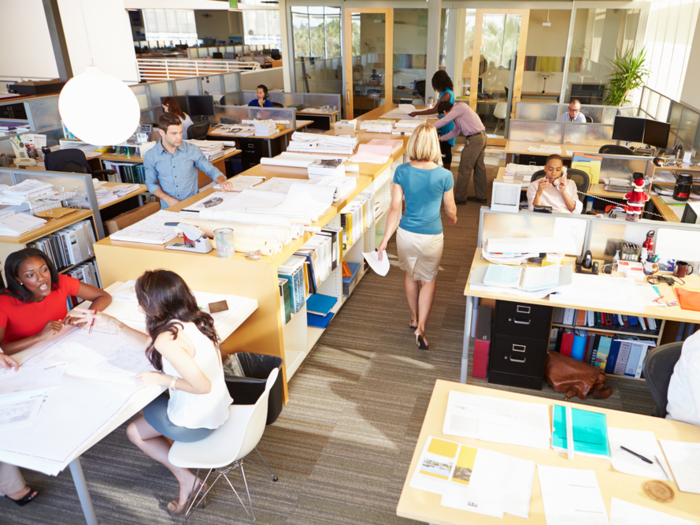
{"x":411,"y":326}
{"x":421,"y":343}
{"x":174,"y":507}
{"x":26,"y":499}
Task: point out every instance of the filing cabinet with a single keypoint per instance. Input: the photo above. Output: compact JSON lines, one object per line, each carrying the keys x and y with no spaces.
{"x":519,"y":347}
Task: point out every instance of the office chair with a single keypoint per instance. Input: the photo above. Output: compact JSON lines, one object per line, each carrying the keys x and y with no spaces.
{"x":227,"y":447}
{"x":500,"y":112}
{"x":198,"y":131}
{"x":217,"y":55}
{"x":589,"y":120}
{"x":277,"y":105}
{"x":71,"y":160}
{"x":614,"y":149}
{"x":658,"y":369}
{"x":579,"y":177}
{"x":420,"y":87}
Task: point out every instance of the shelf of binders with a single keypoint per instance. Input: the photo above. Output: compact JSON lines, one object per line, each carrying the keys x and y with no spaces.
{"x":652,"y":334}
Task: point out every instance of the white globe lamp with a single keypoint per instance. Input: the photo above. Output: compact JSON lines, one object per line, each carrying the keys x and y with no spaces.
{"x":99,"y":109}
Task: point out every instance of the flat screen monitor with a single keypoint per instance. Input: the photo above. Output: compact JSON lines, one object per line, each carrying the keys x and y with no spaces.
{"x":629,"y":129}
{"x":181,"y":101}
{"x":656,"y":133}
{"x":201,"y":105}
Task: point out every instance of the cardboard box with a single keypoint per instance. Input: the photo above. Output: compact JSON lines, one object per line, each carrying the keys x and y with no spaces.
{"x":131,"y":217}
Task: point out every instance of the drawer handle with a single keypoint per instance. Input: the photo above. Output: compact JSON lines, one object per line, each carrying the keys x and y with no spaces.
{"x":518,"y":360}
{"x":519,"y":348}
{"x":522,"y":322}
{"x":522,"y":309}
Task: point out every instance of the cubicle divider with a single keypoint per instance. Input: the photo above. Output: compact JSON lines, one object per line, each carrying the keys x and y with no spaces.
{"x":236,"y":115}
{"x":559,"y":132}
{"x":550,"y":112}
{"x":308,"y":100}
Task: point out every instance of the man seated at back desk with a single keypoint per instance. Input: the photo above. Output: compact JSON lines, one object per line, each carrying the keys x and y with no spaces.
{"x":574,"y":114}
{"x":171,"y":165}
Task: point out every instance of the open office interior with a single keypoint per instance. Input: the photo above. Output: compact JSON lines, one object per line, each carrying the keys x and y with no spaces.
{"x":361,"y":420}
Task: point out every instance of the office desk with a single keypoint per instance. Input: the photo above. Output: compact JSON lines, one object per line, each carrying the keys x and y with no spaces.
{"x":520,"y":147}
{"x":142,"y":189}
{"x":135,"y":403}
{"x":425,"y":506}
{"x":668,"y":313}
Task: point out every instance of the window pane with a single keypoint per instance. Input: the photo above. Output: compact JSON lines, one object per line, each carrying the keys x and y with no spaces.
{"x":318,"y":40}
{"x":546,"y":50}
{"x":262,"y":28}
{"x":169,"y":24}
{"x":410,"y":45}
{"x":333,"y":35}
{"x":300,"y":24}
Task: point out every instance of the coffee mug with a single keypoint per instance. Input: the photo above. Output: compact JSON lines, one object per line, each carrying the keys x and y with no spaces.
{"x":682,"y":269}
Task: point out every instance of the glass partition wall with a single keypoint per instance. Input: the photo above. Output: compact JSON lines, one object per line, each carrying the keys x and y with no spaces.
{"x":318,"y":66}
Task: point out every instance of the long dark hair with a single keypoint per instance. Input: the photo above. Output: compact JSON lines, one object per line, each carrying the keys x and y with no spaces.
{"x":12,"y":264}
{"x":441,"y":81}
{"x":173,"y":107}
{"x":166,"y":299}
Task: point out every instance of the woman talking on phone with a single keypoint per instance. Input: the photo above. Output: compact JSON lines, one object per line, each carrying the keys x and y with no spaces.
{"x":554,"y":189}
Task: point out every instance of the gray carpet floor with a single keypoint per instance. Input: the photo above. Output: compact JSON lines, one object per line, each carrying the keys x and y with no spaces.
{"x":342,"y":445}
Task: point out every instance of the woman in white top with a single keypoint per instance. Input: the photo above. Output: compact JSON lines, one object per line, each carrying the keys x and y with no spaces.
{"x":554,"y":189}
{"x":170,"y":105}
{"x":182,"y":345}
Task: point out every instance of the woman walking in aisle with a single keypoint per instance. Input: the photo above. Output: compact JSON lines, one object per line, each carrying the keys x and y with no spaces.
{"x":419,"y":238}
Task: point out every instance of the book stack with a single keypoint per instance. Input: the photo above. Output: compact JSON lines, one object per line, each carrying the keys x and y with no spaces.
{"x":67,"y":247}
{"x":264,"y":128}
{"x":319,"y":254}
{"x":86,"y":273}
{"x":606,"y":321}
{"x":377,"y":126}
{"x":26,"y":191}
{"x":326,"y":167}
{"x":285,"y":293}
{"x":212,"y":149}
{"x":293,"y":270}
{"x":125,"y":172}
{"x":354,"y":219}
{"x":14,"y":225}
{"x":318,"y":310}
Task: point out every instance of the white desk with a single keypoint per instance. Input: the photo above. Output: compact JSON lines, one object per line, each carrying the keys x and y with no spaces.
{"x":136,"y":402}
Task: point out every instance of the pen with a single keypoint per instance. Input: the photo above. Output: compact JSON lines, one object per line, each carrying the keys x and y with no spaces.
{"x":92,"y":323}
{"x":662,"y":468}
{"x":638,"y":455}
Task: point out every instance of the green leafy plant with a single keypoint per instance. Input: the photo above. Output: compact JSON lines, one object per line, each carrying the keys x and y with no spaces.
{"x":629,"y":73}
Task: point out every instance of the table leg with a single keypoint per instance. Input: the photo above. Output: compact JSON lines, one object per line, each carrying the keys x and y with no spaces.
{"x":467,"y":338}
{"x":76,"y":471}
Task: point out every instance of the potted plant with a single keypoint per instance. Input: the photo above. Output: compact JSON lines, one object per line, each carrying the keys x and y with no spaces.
{"x":629,"y":73}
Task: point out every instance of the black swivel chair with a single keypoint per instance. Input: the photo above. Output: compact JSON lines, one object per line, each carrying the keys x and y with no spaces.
{"x":277,"y":105}
{"x":658,"y":369}
{"x":420,"y":87}
{"x":579,"y":177}
{"x":198,"y":131}
{"x":614,"y":149}
{"x":589,"y":120}
{"x":71,"y":161}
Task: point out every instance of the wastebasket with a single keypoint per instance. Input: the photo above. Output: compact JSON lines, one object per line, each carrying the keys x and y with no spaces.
{"x":247,"y":390}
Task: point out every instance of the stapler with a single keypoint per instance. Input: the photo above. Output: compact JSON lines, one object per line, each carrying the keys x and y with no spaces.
{"x":195,"y":239}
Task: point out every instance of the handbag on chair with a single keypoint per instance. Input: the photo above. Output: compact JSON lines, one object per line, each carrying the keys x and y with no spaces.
{"x":574,"y":377}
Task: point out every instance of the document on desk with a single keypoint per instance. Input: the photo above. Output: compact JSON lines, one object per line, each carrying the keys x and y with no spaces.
{"x":625,"y":513}
{"x":151,"y":230}
{"x":20,"y":410}
{"x":31,"y":378}
{"x":532,"y":245}
{"x":216,"y":201}
{"x":497,"y":420}
{"x":603,"y":292}
{"x":684,"y":459}
{"x":571,"y":496}
{"x":642,"y":442}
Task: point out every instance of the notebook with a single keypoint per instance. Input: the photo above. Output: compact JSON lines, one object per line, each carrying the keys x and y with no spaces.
{"x":590,"y":430}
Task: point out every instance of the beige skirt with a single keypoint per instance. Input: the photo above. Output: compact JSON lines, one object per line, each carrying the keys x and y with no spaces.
{"x":419,"y":254}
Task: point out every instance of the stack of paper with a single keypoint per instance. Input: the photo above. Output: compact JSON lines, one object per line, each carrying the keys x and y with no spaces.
{"x":377,"y":126}
{"x":25,"y":191}
{"x":342,"y":184}
{"x":302,"y":160}
{"x":684,"y":459}
{"x":407,"y":125}
{"x":313,"y":143}
{"x":381,"y":147}
{"x":515,"y":257}
{"x":265,"y":128}
{"x":606,"y":293}
{"x":212,"y":149}
{"x":326,"y":168}
{"x":14,"y":225}
{"x":151,"y":230}
{"x":520,"y":173}
{"x":242,"y":182}
{"x":545,"y":149}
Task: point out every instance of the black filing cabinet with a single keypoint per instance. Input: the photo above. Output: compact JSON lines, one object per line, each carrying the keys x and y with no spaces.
{"x":253,"y":149}
{"x":519,"y":348}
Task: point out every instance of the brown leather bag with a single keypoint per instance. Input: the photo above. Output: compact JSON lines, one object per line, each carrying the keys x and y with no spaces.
{"x":565,"y":374}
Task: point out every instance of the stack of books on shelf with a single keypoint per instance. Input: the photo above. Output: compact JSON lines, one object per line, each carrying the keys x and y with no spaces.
{"x":67,"y":247}
{"x":357,"y":216}
{"x":605,"y":321}
{"x":377,"y":126}
{"x":318,"y":254}
{"x":212,"y":149}
{"x":264,"y":128}
{"x":326,"y":167}
{"x":125,"y":172}
{"x":86,"y":273}
{"x":293,"y":271}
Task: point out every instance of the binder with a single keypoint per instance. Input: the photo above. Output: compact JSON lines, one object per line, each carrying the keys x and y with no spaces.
{"x":319,"y":304}
{"x":318,"y":321}
{"x":567,"y":341}
{"x":578,"y":347}
{"x":482,"y":342}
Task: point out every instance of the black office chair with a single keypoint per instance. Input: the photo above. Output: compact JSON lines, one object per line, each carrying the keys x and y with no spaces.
{"x":198,"y":131}
{"x":71,"y":160}
{"x":589,"y":120}
{"x":217,"y":55}
{"x":420,"y":87}
{"x":614,"y":149}
{"x":658,"y":369}
{"x":579,"y":177}
{"x":277,"y":105}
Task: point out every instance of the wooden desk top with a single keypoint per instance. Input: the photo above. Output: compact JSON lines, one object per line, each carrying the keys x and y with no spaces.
{"x":319,"y":113}
{"x":664,"y":209}
{"x":123,"y":158}
{"x":520,"y":147}
{"x":425,"y":506}
{"x":142,"y":189}
{"x":669,"y":313}
{"x":217,"y":133}
{"x":50,"y":227}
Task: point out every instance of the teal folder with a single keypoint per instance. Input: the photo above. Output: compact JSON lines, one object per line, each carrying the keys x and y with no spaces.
{"x":590,"y":431}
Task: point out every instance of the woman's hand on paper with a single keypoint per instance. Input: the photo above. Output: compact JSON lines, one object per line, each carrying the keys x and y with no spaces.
{"x":84,"y":317}
{"x":51,"y":328}
{"x":412,"y":113}
{"x":381,"y":250}
{"x":7,"y":363}
{"x":146,"y":379}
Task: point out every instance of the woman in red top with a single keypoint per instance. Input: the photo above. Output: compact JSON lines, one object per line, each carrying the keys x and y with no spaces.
{"x":34,"y":306}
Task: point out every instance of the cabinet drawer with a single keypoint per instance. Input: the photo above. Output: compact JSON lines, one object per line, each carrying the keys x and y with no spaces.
{"x":499,"y":378}
{"x":523,"y":320}
{"x":516,"y":355}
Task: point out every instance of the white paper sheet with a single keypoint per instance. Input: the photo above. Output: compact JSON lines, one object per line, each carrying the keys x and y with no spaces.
{"x":371,"y":158}
{"x":642,"y":442}
{"x":151,"y":230}
{"x":20,"y":410}
{"x":606,"y":293}
{"x":571,"y":496}
{"x":573,"y":228}
{"x":379,"y":267}
{"x":31,"y":378}
{"x":684,"y":459}
{"x":532,"y":244}
{"x":625,"y":513}
{"x":497,"y":420}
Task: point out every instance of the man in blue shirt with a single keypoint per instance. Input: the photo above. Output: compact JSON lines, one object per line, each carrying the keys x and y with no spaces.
{"x":574,"y":113}
{"x":171,"y":165}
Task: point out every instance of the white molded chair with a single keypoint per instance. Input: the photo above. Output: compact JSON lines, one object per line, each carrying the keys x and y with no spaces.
{"x":226,"y":448}
{"x":500,"y":113}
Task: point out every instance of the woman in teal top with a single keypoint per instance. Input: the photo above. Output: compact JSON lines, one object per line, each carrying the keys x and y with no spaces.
{"x":419,"y":239}
{"x":442,"y":84}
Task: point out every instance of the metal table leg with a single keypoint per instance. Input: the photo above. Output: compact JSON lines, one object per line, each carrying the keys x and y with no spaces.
{"x":467,"y":338}
{"x":76,"y":471}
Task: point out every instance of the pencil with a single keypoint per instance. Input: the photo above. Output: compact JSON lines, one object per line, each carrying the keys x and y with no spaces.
{"x":92,"y":323}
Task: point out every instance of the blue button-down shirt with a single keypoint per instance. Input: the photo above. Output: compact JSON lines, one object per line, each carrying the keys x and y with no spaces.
{"x":176,"y":174}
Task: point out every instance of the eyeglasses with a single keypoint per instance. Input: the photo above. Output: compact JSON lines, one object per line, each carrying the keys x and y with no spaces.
{"x":665,"y":279}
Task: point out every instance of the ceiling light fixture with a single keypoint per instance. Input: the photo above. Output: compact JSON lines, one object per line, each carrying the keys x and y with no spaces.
{"x":98,"y":108}
{"x":547,"y":23}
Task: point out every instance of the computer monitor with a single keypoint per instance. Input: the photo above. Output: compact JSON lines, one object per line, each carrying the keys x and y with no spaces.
{"x":629,"y":129}
{"x":181,"y":101}
{"x":656,"y":133}
{"x":201,"y":105}
{"x":275,"y":54}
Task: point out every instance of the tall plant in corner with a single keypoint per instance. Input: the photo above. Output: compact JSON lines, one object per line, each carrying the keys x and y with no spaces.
{"x":629,"y":73}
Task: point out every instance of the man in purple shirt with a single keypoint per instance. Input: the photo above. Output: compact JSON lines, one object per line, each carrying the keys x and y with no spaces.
{"x":469,"y":124}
